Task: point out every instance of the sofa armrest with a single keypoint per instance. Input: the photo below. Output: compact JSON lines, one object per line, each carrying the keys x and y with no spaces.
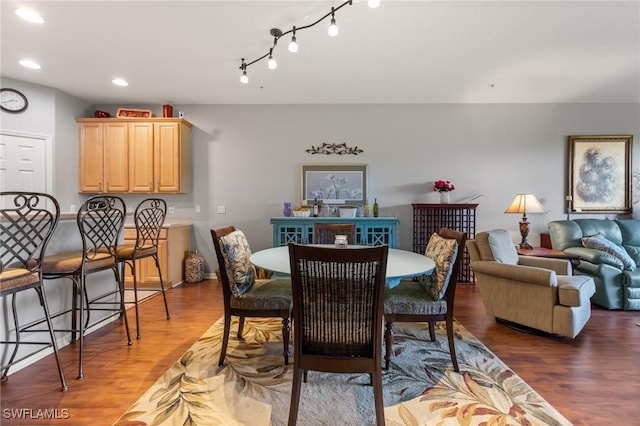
{"x":596,"y":256}
{"x":631,"y":278}
{"x":527,"y":274}
{"x":560,"y":266}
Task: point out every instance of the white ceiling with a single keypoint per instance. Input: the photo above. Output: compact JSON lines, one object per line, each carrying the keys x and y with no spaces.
{"x":189,"y":52}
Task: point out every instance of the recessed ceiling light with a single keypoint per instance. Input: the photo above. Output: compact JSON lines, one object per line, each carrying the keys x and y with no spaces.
{"x":120,"y":82}
{"x":28,"y":63}
{"x":29,"y":15}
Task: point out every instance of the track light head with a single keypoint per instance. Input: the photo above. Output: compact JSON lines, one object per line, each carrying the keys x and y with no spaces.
{"x":272,"y":62}
{"x":293,"y":45}
{"x":333,"y":28}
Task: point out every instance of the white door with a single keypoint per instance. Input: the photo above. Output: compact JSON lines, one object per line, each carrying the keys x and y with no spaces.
{"x":25,"y":162}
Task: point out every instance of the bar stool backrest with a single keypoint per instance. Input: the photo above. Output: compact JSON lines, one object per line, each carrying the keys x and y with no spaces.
{"x":27,"y":222}
{"x":149,"y":218}
{"x":100,"y":221}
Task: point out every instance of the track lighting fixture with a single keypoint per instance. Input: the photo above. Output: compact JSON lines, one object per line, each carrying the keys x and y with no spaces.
{"x":293,"y":45}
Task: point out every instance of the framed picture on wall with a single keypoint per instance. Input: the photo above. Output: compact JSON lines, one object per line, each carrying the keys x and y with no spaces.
{"x":334,"y":183}
{"x":600,"y":174}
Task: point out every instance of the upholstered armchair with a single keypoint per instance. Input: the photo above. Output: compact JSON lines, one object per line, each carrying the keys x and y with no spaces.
{"x":530,"y":293}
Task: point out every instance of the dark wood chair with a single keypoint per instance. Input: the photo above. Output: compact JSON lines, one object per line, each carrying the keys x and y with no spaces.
{"x":27,"y":221}
{"x":148,"y":218}
{"x":410,"y":301}
{"x":246,"y":297}
{"x":100,"y":221}
{"x":337,"y":298}
{"x":325,"y":233}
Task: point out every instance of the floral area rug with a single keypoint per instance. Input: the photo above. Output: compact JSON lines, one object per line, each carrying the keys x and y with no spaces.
{"x":420,"y":387}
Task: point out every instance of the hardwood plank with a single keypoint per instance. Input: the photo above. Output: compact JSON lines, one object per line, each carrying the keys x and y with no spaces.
{"x":591,"y":380}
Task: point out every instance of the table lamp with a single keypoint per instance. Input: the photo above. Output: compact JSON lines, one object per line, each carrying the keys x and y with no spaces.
{"x":525,"y":203}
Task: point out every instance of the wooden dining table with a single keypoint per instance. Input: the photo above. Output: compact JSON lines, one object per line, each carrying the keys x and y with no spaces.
{"x":400,"y":263}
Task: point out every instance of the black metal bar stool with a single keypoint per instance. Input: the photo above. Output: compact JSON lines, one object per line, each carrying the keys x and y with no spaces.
{"x":27,"y":221}
{"x":149,"y":218}
{"x":100,"y":221}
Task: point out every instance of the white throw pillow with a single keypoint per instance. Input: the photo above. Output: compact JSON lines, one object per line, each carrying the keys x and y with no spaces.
{"x":502,"y":247}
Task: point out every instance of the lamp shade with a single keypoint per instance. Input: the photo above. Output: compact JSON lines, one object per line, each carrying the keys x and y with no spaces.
{"x":525,"y":203}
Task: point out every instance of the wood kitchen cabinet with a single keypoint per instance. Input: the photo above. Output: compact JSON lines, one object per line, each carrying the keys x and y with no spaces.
{"x":145,"y":155}
{"x":104,"y":151}
{"x":173,"y":246}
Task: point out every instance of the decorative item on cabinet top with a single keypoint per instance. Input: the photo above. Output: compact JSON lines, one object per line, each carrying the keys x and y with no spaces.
{"x":134,"y":113}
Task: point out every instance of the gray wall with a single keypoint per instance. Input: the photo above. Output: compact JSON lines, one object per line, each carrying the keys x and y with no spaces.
{"x":248,"y":157}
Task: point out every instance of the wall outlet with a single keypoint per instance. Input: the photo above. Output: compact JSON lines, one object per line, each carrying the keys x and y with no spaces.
{"x":222,"y":209}
{"x":72,"y":208}
{"x":172,"y":209}
{"x":197,"y":209}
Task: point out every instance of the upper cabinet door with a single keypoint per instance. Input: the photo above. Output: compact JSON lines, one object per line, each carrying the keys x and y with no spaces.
{"x":141,"y":157}
{"x":91,"y":156}
{"x":168,"y":155}
{"x":116,"y":157}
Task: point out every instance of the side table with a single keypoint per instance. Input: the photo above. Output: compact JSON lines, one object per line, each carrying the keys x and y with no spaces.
{"x":550,"y":253}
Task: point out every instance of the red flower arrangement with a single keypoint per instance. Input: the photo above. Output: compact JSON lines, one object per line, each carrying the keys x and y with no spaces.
{"x":443,"y":186}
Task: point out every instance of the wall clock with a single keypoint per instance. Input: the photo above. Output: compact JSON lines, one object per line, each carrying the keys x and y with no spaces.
{"x":12,"y":100}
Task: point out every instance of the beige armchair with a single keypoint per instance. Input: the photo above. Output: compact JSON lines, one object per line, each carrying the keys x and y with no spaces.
{"x":531,"y":293}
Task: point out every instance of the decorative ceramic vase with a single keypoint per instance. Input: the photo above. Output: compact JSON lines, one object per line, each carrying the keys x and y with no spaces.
{"x":194,"y":267}
{"x":444,"y":197}
{"x":287,"y":210}
{"x":167,"y":111}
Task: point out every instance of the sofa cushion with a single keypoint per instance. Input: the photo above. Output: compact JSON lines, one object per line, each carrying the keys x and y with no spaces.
{"x":443,"y":252}
{"x":599,"y":242}
{"x":502,"y":247}
{"x":236,"y":252}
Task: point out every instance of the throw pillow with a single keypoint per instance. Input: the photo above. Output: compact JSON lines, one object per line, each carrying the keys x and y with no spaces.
{"x":503,"y":249}
{"x":236,"y":252}
{"x":443,"y":252}
{"x":599,"y":242}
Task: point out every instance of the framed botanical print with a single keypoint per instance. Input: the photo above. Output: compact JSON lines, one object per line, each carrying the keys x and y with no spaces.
{"x":334,"y":183}
{"x":600,"y":173}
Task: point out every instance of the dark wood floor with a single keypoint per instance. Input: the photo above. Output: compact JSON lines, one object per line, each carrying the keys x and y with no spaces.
{"x":592,"y":380}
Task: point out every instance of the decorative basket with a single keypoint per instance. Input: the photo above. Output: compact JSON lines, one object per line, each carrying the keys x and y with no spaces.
{"x":194,"y":268}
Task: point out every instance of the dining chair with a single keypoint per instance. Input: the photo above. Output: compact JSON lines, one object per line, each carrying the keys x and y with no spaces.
{"x":428,"y":298}
{"x":149,"y":217}
{"x":325,"y":233}
{"x":338,"y":299}
{"x":100,"y":221}
{"x":245,"y":295}
{"x":27,"y":221}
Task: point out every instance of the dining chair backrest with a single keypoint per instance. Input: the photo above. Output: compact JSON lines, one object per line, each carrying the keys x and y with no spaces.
{"x":325,"y":233}
{"x":27,"y":223}
{"x":149,"y":217}
{"x":337,"y":298}
{"x":461,"y":239}
{"x":100,"y":221}
{"x":216,"y":234}
{"x":337,"y":310}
